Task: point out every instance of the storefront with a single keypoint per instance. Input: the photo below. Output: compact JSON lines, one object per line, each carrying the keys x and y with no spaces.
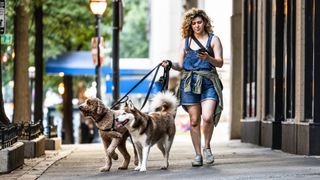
{"x":280,"y":70}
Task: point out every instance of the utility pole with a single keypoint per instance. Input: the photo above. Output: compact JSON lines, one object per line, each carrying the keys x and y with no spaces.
{"x":38,"y":54}
{"x":115,"y":49}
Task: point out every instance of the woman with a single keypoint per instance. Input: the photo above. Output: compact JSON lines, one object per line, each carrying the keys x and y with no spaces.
{"x":200,"y":86}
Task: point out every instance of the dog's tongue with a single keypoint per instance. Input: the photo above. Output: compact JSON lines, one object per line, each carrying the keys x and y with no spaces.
{"x":119,"y":125}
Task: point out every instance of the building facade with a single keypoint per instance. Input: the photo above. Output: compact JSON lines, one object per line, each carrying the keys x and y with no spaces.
{"x":278,"y":73}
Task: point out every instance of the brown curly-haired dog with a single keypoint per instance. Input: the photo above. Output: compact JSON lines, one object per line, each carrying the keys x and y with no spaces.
{"x":111,"y":136}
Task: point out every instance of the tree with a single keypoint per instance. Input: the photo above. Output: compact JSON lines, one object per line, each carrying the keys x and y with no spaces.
{"x":133,"y":38}
{"x":68,"y":110}
{"x":22,"y":110}
{"x":4,"y":120}
{"x":3,"y":117}
{"x":38,"y":58}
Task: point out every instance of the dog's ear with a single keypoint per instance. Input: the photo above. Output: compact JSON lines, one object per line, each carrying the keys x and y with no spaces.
{"x":100,"y":108}
{"x":88,"y":102}
{"x":130,"y":105}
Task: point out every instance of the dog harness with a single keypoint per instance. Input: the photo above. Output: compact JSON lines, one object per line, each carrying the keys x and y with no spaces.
{"x":112,"y":128}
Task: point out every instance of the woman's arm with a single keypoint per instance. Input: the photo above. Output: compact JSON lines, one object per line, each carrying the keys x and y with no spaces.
{"x":217,"y":60}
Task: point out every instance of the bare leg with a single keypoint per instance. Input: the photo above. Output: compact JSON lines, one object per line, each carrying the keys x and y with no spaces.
{"x":208,"y":107}
{"x":194,"y":114}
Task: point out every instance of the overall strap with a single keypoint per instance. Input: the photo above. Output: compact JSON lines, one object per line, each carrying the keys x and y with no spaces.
{"x":187,"y":44}
{"x":208,"y":46}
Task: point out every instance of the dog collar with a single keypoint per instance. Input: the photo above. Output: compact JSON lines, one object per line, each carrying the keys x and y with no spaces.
{"x":113,"y":125}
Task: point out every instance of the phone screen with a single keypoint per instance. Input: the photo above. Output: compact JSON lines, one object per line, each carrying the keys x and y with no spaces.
{"x":201,"y":51}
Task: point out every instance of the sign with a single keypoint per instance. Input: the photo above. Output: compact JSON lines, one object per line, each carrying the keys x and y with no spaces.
{"x":2,"y":16}
{"x":94,"y":43}
{"x":6,"y":39}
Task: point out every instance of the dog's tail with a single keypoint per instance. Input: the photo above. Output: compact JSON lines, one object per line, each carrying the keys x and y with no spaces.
{"x":164,"y":102}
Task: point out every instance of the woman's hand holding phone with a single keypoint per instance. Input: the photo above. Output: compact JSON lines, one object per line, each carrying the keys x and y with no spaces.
{"x":202,"y":54}
{"x":201,"y":51}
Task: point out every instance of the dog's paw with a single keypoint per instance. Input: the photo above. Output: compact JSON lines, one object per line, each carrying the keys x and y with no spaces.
{"x":104,"y":169}
{"x":143,"y":169}
{"x":122,"y":168}
{"x":137,"y":168}
{"x":164,"y":168}
{"x":115,"y":156}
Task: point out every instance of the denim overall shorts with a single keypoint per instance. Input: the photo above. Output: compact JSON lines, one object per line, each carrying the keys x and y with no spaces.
{"x":193,"y":63}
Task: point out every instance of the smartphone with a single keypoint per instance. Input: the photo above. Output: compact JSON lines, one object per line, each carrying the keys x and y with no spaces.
{"x":202,"y":50}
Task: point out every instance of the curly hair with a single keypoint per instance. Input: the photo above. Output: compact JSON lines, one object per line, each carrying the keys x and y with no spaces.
{"x":186,"y":29}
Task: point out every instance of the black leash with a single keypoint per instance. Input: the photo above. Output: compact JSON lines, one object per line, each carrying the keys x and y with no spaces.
{"x":125,"y":97}
{"x":150,"y":87}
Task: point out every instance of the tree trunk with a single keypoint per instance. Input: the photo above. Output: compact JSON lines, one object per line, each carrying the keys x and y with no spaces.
{"x":3,"y":117}
{"x":21,"y":99}
{"x":38,"y":54}
{"x":68,"y":110}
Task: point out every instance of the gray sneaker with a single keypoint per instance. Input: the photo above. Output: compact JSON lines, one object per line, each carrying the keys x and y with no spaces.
{"x":209,"y":159}
{"x":197,"y":161}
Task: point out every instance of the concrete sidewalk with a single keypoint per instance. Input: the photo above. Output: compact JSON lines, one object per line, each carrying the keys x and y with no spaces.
{"x":234,"y":160}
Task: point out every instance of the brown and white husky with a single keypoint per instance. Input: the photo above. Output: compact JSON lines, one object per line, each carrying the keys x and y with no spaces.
{"x":156,"y":127}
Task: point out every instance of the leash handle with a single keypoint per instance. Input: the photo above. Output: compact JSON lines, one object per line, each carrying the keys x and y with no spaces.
{"x":165,"y":76}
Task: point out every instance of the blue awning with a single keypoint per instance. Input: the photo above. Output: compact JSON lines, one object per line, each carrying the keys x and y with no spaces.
{"x":80,"y":63}
{"x":127,"y":84}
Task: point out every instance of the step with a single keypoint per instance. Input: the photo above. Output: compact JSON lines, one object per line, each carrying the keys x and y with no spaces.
{"x":53,"y":143}
{"x":11,"y":157}
{"x":34,"y":148}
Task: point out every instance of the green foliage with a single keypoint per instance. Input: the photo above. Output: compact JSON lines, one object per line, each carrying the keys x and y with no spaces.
{"x":133,"y":38}
{"x":70,"y":25}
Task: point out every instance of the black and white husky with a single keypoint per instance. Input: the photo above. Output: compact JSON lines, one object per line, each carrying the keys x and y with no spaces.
{"x":156,"y":127}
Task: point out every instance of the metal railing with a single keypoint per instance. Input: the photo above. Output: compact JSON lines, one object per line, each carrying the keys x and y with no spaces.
{"x":9,"y":135}
{"x":30,"y":131}
{"x":51,"y":129}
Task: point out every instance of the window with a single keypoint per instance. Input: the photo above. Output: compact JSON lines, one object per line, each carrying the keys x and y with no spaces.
{"x":250,"y":58}
{"x":308,"y":81}
{"x":269,"y":85}
{"x":289,"y":57}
